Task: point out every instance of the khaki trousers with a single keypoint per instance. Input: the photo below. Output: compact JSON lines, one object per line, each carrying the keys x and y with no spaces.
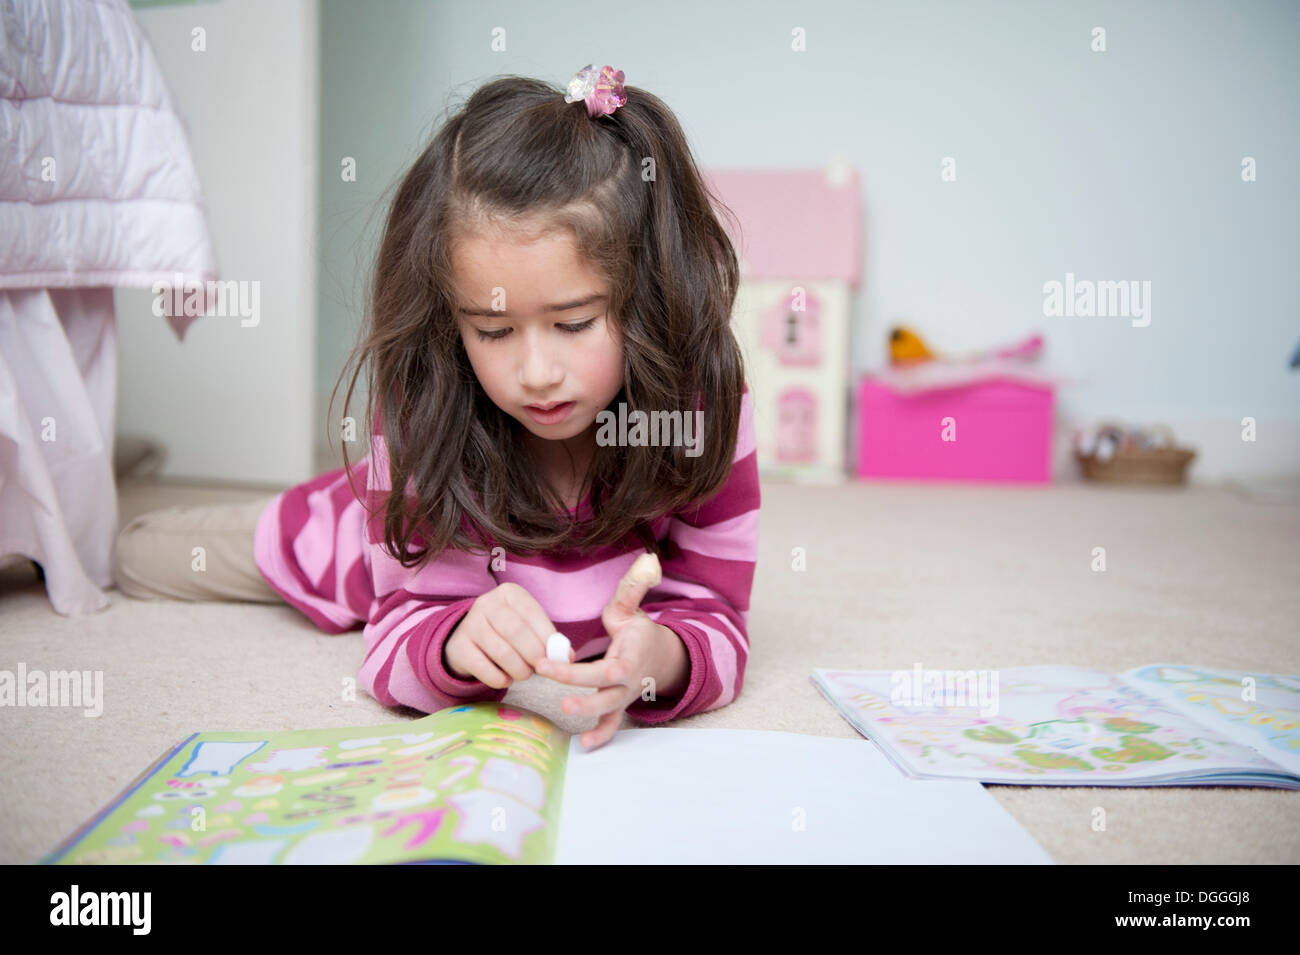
{"x":192,"y":553}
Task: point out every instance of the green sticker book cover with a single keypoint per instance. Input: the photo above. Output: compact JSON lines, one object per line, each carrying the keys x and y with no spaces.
{"x":477,"y":783}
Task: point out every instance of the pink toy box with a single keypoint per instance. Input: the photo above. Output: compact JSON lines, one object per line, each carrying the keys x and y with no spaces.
{"x":987,"y":431}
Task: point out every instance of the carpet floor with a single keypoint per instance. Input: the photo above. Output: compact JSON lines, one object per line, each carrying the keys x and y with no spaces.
{"x":948,"y":576}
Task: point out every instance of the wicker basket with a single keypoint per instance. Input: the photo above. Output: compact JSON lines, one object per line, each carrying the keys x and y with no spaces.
{"x":1130,"y":464}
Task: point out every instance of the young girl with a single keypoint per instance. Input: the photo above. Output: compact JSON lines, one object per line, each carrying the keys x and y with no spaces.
{"x":550,"y":272}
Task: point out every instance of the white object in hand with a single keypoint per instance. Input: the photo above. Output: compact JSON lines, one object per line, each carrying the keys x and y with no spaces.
{"x":557,"y":647}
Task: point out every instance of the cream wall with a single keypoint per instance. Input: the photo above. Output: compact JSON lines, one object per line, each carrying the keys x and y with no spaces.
{"x":1115,"y":165}
{"x":235,"y":403}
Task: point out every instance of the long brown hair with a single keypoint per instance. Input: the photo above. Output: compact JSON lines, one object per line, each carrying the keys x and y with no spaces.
{"x":628,"y":187}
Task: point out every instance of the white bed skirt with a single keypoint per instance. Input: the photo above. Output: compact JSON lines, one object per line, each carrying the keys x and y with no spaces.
{"x":58,"y":394}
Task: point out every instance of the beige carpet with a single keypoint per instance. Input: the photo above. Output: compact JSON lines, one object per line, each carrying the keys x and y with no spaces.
{"x":947,"y":576}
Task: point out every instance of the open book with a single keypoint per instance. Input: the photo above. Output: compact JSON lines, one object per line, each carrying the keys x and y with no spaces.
{"x":494,"y":783}
{"x":1158,"y":725}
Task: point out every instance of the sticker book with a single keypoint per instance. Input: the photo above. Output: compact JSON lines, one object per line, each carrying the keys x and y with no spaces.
{"x":492,"y":783}
{"x":1157,"y":725}
{"x":474,"y":783}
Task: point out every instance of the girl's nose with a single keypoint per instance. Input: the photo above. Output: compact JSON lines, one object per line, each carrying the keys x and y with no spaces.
{"x":540,"y":369}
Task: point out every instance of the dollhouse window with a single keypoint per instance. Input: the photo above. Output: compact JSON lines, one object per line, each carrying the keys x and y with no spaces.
{"x":794,"y":334}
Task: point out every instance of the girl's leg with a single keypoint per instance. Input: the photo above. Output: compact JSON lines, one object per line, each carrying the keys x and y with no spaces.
{"x":193,"y":553}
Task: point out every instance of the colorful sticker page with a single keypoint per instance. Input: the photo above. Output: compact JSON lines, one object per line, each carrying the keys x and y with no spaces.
{"x":1259,"y":710}
{"x":1050,"y":726}
{"x":476,"y":783}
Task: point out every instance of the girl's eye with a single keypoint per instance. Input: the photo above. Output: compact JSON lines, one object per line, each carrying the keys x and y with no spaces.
{"x":501,"y":333}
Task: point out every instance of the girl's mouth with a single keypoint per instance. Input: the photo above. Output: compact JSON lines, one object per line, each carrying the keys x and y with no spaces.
{"x":554,"y":416}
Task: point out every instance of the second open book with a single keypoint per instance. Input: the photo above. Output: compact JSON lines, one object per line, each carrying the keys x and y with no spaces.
{"x":1157,"y":725}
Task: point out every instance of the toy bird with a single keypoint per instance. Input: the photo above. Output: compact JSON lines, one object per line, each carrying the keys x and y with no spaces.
{"x":907,"y":348}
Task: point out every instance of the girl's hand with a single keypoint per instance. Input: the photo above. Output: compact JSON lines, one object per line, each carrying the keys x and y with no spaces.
{"x":639,"y":648}
{"x":501,"y":639}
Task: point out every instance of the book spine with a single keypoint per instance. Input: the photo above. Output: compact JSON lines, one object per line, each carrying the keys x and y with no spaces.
{"x":67,"y":844}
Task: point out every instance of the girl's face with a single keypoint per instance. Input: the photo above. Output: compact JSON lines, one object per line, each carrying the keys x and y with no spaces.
{"x":533,"y":319}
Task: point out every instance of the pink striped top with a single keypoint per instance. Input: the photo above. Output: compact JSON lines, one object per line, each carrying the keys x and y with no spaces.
{"x":317,"y":550}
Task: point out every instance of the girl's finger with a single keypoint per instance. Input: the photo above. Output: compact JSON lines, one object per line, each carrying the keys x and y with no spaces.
{"x":596,"y":673}
{"x":481,"y":668}
{"x":593,"y":704}
{"x":514,"y":641}
{"x":500,"y":649}
{"x":534,"y":618}
{"x":644,"y":573}
{"x":604,"y":731}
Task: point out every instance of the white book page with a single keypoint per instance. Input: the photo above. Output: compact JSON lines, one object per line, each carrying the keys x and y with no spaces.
{"x":1259,"y":710}
{"x":678,"y":796}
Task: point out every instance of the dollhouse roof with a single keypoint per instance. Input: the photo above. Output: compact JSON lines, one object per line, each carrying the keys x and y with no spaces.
{"x":794,"y":223}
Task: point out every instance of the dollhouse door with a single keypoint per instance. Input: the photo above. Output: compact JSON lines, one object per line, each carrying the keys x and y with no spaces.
{"x":796,"y":429}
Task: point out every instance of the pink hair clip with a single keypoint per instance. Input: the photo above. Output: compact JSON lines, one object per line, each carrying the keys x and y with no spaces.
{"x":602,"y":93}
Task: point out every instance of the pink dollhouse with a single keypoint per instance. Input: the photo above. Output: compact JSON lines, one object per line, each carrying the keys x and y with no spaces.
{"x":800,"y":252}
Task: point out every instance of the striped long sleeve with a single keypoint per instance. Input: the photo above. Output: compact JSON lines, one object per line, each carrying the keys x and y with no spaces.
{"x":318,"y":549}
{"x":321,"y":552}
{"x":707,"y":578}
